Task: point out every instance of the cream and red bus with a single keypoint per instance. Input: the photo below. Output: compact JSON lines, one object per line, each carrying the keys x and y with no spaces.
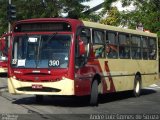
{"x":62,"y":56}
{"x":4,"y":44}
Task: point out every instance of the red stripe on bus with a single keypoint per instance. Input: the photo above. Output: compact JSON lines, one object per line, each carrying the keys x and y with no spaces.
{"x":112,"y":87}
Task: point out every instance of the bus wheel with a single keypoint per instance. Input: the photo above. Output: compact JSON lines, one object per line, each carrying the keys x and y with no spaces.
{"x":39,"y":98}
{"x":94,"y":94}
{"x":137,"y":86}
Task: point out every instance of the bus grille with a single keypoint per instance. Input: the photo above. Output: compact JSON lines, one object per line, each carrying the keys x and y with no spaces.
{"x":44,"y":89}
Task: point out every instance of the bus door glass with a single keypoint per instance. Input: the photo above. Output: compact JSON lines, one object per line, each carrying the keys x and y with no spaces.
{"x":82,"y":46}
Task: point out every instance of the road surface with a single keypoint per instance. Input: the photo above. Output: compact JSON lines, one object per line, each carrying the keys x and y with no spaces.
{"x":120,"y":105}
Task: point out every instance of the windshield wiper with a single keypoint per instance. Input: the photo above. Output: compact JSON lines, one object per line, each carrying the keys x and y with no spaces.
{"x":47,"y":41}
{"x":40,"y":46}
{"x":53,"y":35}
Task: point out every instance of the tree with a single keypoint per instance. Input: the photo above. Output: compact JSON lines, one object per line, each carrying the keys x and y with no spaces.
{"x":147,"y":12}
{"x":3,"y":16}
{"x":26,"y":9}
{"x":93,"y":17}
{"x":112,"y":18}
{"x":48,"y":8}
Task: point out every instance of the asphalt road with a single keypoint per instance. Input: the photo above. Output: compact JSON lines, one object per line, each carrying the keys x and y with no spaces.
{"x":120,"y":106}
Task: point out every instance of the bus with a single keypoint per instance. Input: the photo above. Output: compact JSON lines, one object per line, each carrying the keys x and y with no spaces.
{"x":71,"y":57}
{"x":4,"y":44}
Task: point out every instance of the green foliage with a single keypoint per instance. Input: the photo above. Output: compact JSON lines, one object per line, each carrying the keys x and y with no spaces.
{"x":91,"y":17}
{"x":113,"y":17}
{"x":147,"y":12}
{"x":26,"y":9}
{"x":3,"y":16}
{"x":108,"y":3}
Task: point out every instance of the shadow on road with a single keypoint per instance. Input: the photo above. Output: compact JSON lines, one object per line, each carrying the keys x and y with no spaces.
{"x":72,"y":101}
{"x":111,"y":97}
{"x":62,"y":101}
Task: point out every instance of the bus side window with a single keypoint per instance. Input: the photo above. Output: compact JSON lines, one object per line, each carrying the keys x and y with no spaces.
{"x":98,"y":43}
{"x":124,"y":46}
{"x":152,"y":48}
{"x":111,"y":45}
{"x":85,"y":35}
{"x":136,"y":47}
{"x":145,"y":48}
{"x":82,"y":49}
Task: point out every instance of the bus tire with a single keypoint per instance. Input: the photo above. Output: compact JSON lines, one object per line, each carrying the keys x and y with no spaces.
{"x":137,"y":86}
{"x":39,"y":98}
{"x":94,"y":93}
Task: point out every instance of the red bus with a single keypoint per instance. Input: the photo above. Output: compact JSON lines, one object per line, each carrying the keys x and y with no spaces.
{"x":61,"y":56}
{"x":4,"y":44}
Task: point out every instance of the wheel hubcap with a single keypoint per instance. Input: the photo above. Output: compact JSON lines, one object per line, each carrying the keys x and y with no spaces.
{"x":137,"y":87}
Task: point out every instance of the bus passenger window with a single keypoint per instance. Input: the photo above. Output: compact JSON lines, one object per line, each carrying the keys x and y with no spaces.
{"x":98,"y":37}
{"x":111,"y":45}
{"x":152,"y":49}
{"x":85,"y":35}
{"x":98,"y":40}
{"x":136,"y":47}
{"x":99,"y":51}
{"x":145,"y":48}
{"x":124,"y":46}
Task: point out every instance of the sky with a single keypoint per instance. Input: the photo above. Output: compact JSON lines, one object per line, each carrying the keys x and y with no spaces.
{"x":93,"y":3}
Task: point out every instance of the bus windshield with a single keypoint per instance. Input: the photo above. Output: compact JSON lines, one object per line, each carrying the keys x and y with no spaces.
{"x":41,"y":51}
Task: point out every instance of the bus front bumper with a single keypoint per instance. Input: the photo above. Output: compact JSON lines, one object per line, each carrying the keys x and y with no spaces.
{"x":3,"y":70}
{"x":62,"y":87}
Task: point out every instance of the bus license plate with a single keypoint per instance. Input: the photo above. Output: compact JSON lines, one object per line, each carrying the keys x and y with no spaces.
{"x":37,"y":86}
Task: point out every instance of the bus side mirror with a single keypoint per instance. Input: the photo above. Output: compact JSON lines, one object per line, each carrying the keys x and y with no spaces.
{"x":2,"y":44}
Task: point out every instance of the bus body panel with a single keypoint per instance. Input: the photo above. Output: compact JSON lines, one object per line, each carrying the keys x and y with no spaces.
{"x":123,"y":74}
{"x":123,"y":71}
{"x":116,"y":79}
{"x":3,"y":70}
{"x":3,"y":55}
{"x":64,"y":86}
{"x":3,"y":67}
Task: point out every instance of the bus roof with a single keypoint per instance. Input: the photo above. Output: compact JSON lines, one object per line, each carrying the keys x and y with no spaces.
{"x":90,"y":24}
{"x":113,"y":28}
{"x":73,"y":22}
{"x":48,"y":20}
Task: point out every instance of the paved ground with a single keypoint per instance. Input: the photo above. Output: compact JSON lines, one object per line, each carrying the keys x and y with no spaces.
{"x":117,"y":105}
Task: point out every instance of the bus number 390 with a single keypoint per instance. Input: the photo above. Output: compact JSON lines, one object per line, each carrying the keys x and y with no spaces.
{"x":54,"y":63}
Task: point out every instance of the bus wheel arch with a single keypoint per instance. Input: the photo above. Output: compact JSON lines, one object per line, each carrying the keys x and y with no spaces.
{"x":96,"y":77}
{"x":137,"y":84}
{"x":94,"y":90}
